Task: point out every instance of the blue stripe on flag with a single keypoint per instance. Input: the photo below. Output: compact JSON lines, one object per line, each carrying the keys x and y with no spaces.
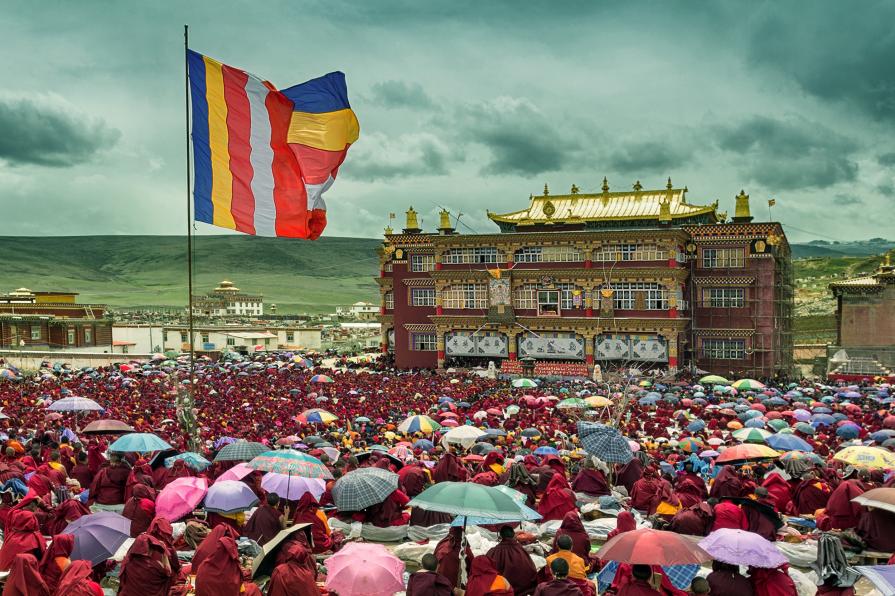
{"x":328,"y":93}
{"x":202,"y":205}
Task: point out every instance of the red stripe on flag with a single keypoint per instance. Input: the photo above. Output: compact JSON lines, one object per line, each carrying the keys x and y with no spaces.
{"x":317,"y":164}
{"x":289,"y":195}
{"x":239,"y":128}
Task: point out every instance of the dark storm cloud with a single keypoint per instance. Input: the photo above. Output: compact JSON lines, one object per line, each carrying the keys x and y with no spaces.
{"x":380,"y":157}
{"x":649,"y":157}
{"x":790,"y":152}
{"x":833,"y":50}
{"x":399,"y":94}
{"x":44,"y":132}
{"x":886,"y":159}
{"x":847,"y":200}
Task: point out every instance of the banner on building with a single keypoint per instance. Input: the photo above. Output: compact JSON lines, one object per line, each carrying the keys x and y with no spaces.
{"x":560,"y":346}
{"x":464,"y":343}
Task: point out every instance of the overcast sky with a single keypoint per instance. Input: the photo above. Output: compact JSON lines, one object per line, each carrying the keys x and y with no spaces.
{"x":467,"y":104}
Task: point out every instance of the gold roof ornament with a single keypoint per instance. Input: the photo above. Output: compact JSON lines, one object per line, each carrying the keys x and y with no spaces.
{"x":412,"y":226}
{"x":389,"y":231}
{"x":742,"y":213}
{"x":637,"y":186}
{"x":669,"y":186}
{"x":605,"y":187}
{"x":574,"y":190}
{"x":444,"y":223}
{"x":665,"y":212}
{"x":546,"y":190}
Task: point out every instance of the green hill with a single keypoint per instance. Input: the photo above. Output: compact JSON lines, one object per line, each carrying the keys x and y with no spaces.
{"x":126,"y":271}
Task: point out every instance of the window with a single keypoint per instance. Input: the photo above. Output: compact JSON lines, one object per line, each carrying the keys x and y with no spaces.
{"x":389,"y":300}
{"x":205,"y":338}
{"x":389,"y":267}
{"x":231,"y":341}
{"x":525,"y":297}
{"x":627,"y":251}
{"x":290,"y":336}
{"x":465,"y":296}
{"x":165,"y":335}
{"x":88,"y":336}
{"x":183,"y":337}
{"x":724,"y":349}
{"x":717,"y":258}
{"x":724,"y":297}
{"x":422,"y":296}
{"x":71,"y":337}
{"x":548,"y":302}
{"x":35,"y":332}
{"x":423,"y":342}
{"x":625,"y":296}
{"x":480,"y":254}
{"x":420,"y":263}
{"x":656,"y":297}
{"x":547,"y":254}
{"x":567,"y":297}
{"x":630,"y":252}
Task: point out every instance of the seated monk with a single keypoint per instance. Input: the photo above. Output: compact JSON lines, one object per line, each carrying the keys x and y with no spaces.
{"x":484,"y":580}
{"x":307,"y":511}
{"x":726,"y":579}
{"x":218,"y":573}
{"x":24,"y":578}
{"x":728,"y":483}
{"x":427,"y":581}
{"x":646,"y":494}
{"x":209,"y":544}
{"x":590,"y":481}
{"x":810,"y":494}
{"x":560,"y":585}
{"x":21,"y":535}
{"x":573,"y":528}
{"x":65,"y":513}
{"x":695,"y":520}
{"x":558,"y":499}
{"x":57,"y":559}
{"x":266,"y":522}
{"x":728,"y":515}
{"x":390,"y":512}
{"x":841,"y":512}
{"x":779,"y":491}
{"x":761,"y":515}
{"x":577,"y":569}
{"x":636,"y":582}
{"x":877,"y":529}
{"x":78,"y":581}
{"x":447,"y":552}
{"x":296,"y":575}
{"x":511,"y":561}
{"x":140,"y":509}
{"x":146,"y":570}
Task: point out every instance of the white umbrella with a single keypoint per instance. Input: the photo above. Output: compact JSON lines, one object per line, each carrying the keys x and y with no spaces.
{"x":465,"y":436}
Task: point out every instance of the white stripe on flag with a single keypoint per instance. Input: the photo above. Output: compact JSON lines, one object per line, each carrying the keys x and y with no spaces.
{"x":262,"y":159}
{"x":315,"y":194}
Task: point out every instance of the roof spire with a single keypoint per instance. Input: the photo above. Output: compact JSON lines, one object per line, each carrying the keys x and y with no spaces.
{"x":605,"y":185}
{"x":546,"y":190}
{"x":574,"y":190}
{"x":637,"y":186}
{"x":669,"y":186}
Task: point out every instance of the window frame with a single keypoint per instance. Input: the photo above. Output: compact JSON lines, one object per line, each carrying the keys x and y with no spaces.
{"x":477,"y":255}
{"x":427,"y":263}
{"x":724,"y":297}
{"x":421,"y":342}
{"x":427,"y":300}
{"x":39,"y":332}
{"x":388,"y":300}
{"x":723,"y":349}
{"x":465,"y":296}
{"x":552,"y":305}
{"x":725,"y":257}
{"x":525,"y":297}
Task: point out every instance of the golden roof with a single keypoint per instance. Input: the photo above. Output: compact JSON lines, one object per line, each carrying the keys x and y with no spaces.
{"x":856,"y":281}
{"x":626,"y":205}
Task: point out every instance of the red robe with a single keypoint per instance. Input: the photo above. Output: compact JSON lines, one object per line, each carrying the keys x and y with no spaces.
{"x":428,"y":583}
{"x":842,"y":513}
{"x":558,"y":499}
{"x":772,"y":582}
{"x":76,"y":581}
{"x":512,"y":562}
{"x":779,"y":490}
{"x":263,"y":525}
{"x":219,"y":574}
{"x":297,"y":576}
{"x":24,"y":578}
{"x":447,"y":552}
{"x":559,"y":587}
{"x":142,"y":571}
{"x":729,"y":515}
{"x":809,"y":496}
{"x":210,"y":542}
{"x":306,"y":513}
{"x":573,"y":528}
{"x":591,"y":482}
{"x":22,"y":535}
{"x":61,"y":547}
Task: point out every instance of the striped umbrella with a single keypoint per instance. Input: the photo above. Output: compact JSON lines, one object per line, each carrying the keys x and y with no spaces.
{"x":747,"y":452}
{"x":524,"y":383}
{"x":748,"y":385}
{"x":75,"y":404}
{"x":751,"y":435}
{"x":241,"y":451}
{"x":363,"y":487}
{"x":690,"y":445}
{"x":291,"y":462}
{"x":321,"y":379}
{"x":416,"y":424}
{"x":572,"y":403}
{"x":316,"y":416}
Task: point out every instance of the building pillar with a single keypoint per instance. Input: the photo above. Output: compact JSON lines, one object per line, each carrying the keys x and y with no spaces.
{"x":383,"y":340}
{"x":438,"y":265}
{"x":589,"y":352}
{"x":439,"y":345}
{"x":438,"y":308}
{"x":511,"y":344}
{"x":672,"y":352}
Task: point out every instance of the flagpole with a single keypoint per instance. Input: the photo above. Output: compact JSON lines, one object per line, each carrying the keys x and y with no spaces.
{"x":188,"y":418}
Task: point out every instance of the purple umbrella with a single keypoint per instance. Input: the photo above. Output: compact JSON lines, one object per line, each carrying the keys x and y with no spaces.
{"x":229,"y":496}
{"x":739,"y":547}
{"x":802,"y":415}
{"x":98,"y":536}
{"x":292,"y":487}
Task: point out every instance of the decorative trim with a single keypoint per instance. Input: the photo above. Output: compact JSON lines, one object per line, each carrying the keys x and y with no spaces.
{"x":419,"y":327}
{"x":726,"y":281}
{"x":724,"y":332}
{"x":419,"y":282}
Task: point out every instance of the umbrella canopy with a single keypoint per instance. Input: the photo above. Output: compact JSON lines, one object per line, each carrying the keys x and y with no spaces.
{"x":867,"y":457}
{"x":419,"y":424}
{"x":98,"y":536}
{"x":107,"y":427}
{"x":469,"y":499}
{"x":321,"y":379}
{"x":237,"y":472}
{"x":572,"y":403}
{"x":597,"y":401}
{"x":139,"y":443}
{"x":241,"y":451}
{"x":229,"y":496}
{"x":363,"y":487}
{"x":75,"y":404}
{"x":784,"y":442}
{"x":524,"y":383}
{"x":746,"y":452}
{"x":690,"y":445}
{"x":364,"y":568}
{"x":881,"y":498}
{"x":606,"y":442}
{"x":289,"y":461}
{"x":653,"y":547}
{"x":751,"y":435}
{"x":180,"y":497}
{"x":317,"y":416}
{"x":464,"y":436}
{"x":738,"y":547}
{"x":748,"y":385}
{"x":713,"y":380}
{"x":292,"y":487}
{"x":191,"y":459}
{"x":881,"y":576}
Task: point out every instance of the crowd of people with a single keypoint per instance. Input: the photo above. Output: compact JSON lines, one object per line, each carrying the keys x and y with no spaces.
{"x":678,"y":479}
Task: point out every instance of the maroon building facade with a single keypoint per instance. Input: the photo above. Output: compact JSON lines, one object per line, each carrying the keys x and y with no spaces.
{"x":52,"y":321}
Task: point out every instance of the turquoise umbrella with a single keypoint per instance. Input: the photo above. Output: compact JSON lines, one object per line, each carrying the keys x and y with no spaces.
{"x":470,"y":500}
{"x":192,"y":460}
{"x":139,"y":443}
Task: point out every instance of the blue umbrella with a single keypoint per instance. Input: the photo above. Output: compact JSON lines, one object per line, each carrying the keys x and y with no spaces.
{"x":848,"y":431}
{"x":754,"y":423}
{"x":495,"y":432}
{"x":75,"y":404}
{"x":525,"y":514}
{"x":776,"y":401}
{"x":424,"y":444}
{"x":647,"y":401}
{"x":606,"y":442}
{"x":822,"y":420}
{"x":788,"y":442}
{"x":98,"y":536}
{"x":192,"y":460}
{"x":882,"y":435}
{"x":749,"y":414}
{"x":546,"y":451}
{"x":821,"y":410}
{"x":696,"y":426}
{"x":139,"y":443}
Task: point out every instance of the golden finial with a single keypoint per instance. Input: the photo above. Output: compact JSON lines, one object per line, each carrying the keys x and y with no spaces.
{"x":388,"y":230}
{"x":412,"y":223}
{"x":665,"y":211}
{"x":444,"y":224}
{"x":546,"y":190}
{"x":637,"y":186}
{"x":574,"y":190}
{"x":605,"y":185}
{"x":887,"y":260}
{"x":742,"y":213}
{"x":669,"y":186}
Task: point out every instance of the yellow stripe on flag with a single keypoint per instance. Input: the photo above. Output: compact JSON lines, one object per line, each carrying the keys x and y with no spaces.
{"x":330,"y":131}
{"x":218,"y":139}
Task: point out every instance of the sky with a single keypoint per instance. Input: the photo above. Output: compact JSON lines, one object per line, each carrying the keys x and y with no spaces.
{"x":470,"y":105}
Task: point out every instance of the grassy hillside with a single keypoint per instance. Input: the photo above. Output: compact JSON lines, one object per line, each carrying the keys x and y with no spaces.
{"x":151,"y":270}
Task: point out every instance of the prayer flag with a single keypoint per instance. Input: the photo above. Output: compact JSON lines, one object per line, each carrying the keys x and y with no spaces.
{"x":772,"y":202}
{"x":263,"y":158}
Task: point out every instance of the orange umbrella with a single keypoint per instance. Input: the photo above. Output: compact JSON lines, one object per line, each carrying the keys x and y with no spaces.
{"x":746,"y":452}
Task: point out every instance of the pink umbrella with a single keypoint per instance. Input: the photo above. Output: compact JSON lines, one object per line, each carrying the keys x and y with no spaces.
{"x":291,"y":487}
{"x":180,"y":498}
{"x":449,"y":422}
{"x":237,"y":472}
{"x":364,"y":568}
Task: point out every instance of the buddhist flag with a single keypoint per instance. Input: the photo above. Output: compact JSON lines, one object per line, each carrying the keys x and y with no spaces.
{"x":772,"y":202}
{"x":263,"y":158}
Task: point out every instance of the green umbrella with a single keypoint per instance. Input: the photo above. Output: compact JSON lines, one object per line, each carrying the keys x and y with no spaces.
{"x":751,"y":435}
{"x":469,"y":499}
{"x":524,"y":383}
{"x":713,"y":380}
{"x":778,"y":424}
{"x":572,"y":403}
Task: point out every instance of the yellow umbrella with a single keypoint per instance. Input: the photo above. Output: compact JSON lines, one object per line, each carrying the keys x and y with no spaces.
{"x":867,"y":457}
{"x":597,"y":401}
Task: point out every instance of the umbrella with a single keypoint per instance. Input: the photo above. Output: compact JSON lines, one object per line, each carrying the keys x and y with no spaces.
{"x":709,"y":453}
{"x":362,"y":419}
{"x":531,"y":433}
{"x":546,"y":451}
{"x":652,"y":547}
{"x":525,"y":514}
{"x":291,"y":487}
{"x":748,"y":385}
{"x":241,"y":451}
{"x":192,"y":459}
{"x":469,"y":499}
{"x":606,"y":442}
{"x":75,"y":404}
{"x":713,"y":380}
{"x":107,"y":427}
{"x":738,"y":547}
{"x":524,"y":383}
{"x":180,"y":497}
{"x":804,"y":428}
{"x":598,"y":401}
{"x":237,"y":472}
{"x":751,"y":435}
{"x":98,"y":536}
{"x":139,"y":443}
{"x":363,"y":568}
{"x":316,"y":415}
{"x":690,"y":445}
{"x":746,"y":452}
{"x":321,"y":379}
{"x":572,"y":403}
{"x":696,"y":426}
{"x":229,"y":496}
{"x":464,"y":436}
{"x":778,"y":424}
{"x":868,"y":457}
{"x":291,"y":462}
{"x":784,"y":442}
{"x":424,"y":445}
{"x":363,"y":487}
{"x":881,"y":576}
{"x":880,"y":498}
{"x":416,"y":424}
{"x":264,"y":563}
{"x":755,"y":423}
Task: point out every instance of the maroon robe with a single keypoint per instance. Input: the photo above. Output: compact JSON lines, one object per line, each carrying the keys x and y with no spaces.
{"x":809,"y":496}
{"x":21,"y":535}
{"x":690,"y":490}
{"x":759,"y":522}
{"x":263,"y":525}
{"x":145,"y":570}
{"x":630,"y":473}
{"x":842,"y":513}
{"x":219,"y":574}
{"x":729,"y":515}
{"x":726,"y":579}
{"x":140,"y":509}
{"x":515,"y":565}
{"x":412,"y":480}
{"x":558,"y":500}
{"x":24,"y":578}
{"x":447,"y":552}
{"x":727,"y":484}
{"x":108,"y":485}
{"x":779,"y":490}
{"x":82,"y":473}
{"x":591,"y":482}
{"x":428,"y":583}
{"x":877,"y":528}
{"x":573,"y":528}
{"x":559,"y":587}
{"x":695,"y":520}
{"x":449,"y":469}
{"x":296,"y":576}
{"x":61,"y":547}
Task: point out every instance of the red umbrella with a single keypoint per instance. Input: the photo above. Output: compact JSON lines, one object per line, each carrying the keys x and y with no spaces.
{"x":53,"y":416}
{"x":653,"y":547}
{"x":746,"y":452}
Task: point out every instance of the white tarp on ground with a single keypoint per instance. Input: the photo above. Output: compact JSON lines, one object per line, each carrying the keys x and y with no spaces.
{"x":552,"y":346}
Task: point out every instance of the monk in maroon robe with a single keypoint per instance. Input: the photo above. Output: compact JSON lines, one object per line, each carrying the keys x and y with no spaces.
{"x":558,"y":499}
{"x":447,"y":552}
{"x":218,"y":573}
{"x":24,"y":578}
{"x":161,"y":529}
{"x":726,"y":579}
{"x":810,"y":495}
{"x":519,"y":479}
{"x":761,"y":515}
{"x":877,"y":529}
{"x":728,"y":483}
{"x":841,"y":512}
{"x":779,"y":490}
{"x":210,"y":542}
{"x":21,"y":535}
{"x":65,"y":513}
{"x":412,"y":479}
{"x":591,"y":481}
{"x":695,"y":520}
{"x":514,"y":563}
{"x":630,"y":473}
{"x":427,"y":581}
{"x":56,"y":559}
{"x":296,"y":575}
{"x":449,"y":469}
{"x":108,"y":483}
{"x":729,"y":515}
{"x":266,"y":522}
{"x":560,"y":585}
{"x":145,"y":569}
{"x":140,"y":509}
{"x":646,"y":494}
{"x":573,"y":528}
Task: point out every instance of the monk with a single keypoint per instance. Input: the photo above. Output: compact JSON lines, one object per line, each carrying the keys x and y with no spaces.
{"x":727,"y":484}
{"x":558,"y":499}
{"x":218,"y":573}
{"x":728,"y":515}
{"x":484,"y":580}
{"x":161,"y":529}
{"x":842,"y":513}
{"x":308,"y":511}
{"x":412,"y":479}
{"x":519,"y":479}
{"x":577,"y":567}
{"x":646,"y":494}
{"x":640,"y":583}
{"x":772,"y":582}
{"x":726,"y":579}
{"x":77,"y":581}
{"x":511,"y":561}
{"x":21,"y":535}
{"x":560,"y":585}
{"x":779,"y":490}
{"x":695,"y":520}
{"x":447,"y":552}
{"x":108,"y":483}
{"x":57,"y":559}
{"x":146,"y":569}
{"x":427,"y":581}
{"x":140,"y":508}
{"x":81,"y":471}
{"x":590,"y":481}
{"x":573,"y":528}
{"x":266,"y":522}
{"x":449,"y":469}
{"x":810,"y":494}
{"x":65,"y":513}
{"x":210,"y":543}
{"x":876,"y":528}
{"x":630,"y":473}
{"x":296,"y":575}
{"x":24,"y":578}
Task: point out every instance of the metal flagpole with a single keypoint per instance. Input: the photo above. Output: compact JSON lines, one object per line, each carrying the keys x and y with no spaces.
{"x":188,"y":399}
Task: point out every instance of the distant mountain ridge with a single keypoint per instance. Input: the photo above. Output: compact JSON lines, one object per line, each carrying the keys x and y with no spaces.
{"x":853,"y":248}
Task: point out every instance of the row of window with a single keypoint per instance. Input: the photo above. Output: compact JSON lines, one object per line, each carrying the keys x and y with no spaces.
{"x":36,"y":334}
{"x":712,"y":258}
